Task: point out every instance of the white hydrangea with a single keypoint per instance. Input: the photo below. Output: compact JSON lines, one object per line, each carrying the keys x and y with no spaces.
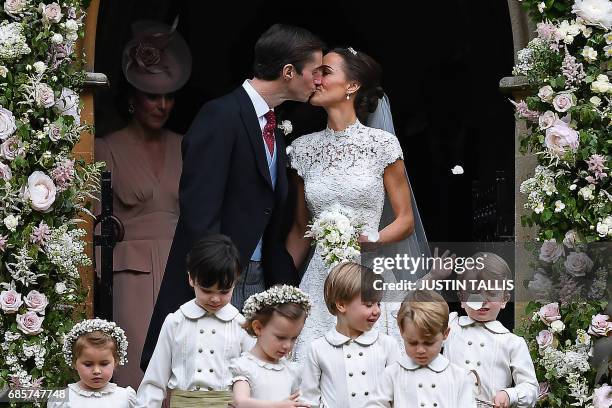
{"x":12,"y":42}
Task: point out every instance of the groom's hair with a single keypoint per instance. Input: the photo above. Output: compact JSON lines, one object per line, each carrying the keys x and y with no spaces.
{"x":281,"y":45}
{"x":214,"y":259}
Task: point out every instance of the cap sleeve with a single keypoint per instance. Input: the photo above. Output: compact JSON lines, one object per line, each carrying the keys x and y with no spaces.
{"x":241,"y":369}
{"x":388,"y":149}
{"x":300,"y":154}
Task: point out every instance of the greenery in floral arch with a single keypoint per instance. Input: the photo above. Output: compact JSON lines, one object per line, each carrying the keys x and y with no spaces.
{"x":569,"y":197}
{"x":43,"y":189}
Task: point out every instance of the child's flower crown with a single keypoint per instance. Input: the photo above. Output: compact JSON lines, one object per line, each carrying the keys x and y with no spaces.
{"x":92,"y":325}
{"x":276,"y":295}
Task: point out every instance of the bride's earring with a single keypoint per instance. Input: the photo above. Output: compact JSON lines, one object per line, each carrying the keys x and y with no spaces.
{"x":348,"y":96}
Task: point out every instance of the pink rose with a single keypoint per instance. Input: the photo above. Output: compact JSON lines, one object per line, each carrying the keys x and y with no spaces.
{"x":544,"y":339}
{"x":543,"y":390}
{"x":52,"y":13}
{"x":5,"y":172}
{"x":44,"y":96}
{"x":578,"y":264}
{"x":36,"y":302}
{"x":549,"y":313}
{"x":30,"y":323}
{"x":10,"y":301}
{"x":11,"y":148}
{"x":551,"y":251}
{"x":563,"y":102}
{"x":40,"y":191}
{"x":547,"y":119}
{"x":602,"y":396}
{"x":600,"y":326}
{"x":560,"y":137}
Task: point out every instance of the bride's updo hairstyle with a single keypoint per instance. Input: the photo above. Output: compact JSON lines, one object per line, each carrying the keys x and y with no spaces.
{"x":361,"y":68}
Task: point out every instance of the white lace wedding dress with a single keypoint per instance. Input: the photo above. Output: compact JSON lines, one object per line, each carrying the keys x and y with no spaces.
{"x":344,"y":167}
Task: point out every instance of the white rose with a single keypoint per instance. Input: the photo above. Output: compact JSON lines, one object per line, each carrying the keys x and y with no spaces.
{"x":563,"y":102}
{"x":43,"y":94}
{"x":578,"y":264}
{"x":546,"y":93}
{"x":568,"y":39}
{"x":541,"y":7}
{"x":594,"y":12}
{"x":333,"y":237}
{"x":40,"y":67}
{"x":57,"y":38}
{"x":5,"y":172}
{"x":40,"y":191}
{"x":72,"y":25}
{"x":595,"y":100}
{"x":457,"y":170}
{"x":30,"y":323}
{"x":68,"y":104}
{"x":573,"y":187}
{"x":60,"y":288}
{"x":601,"y":86}
{"x":52,"y":13}
{"x":14,"y":7}
{"x":3,"y":71}
{"x":11,"y":222}
{"x":557,"y":326}
{"x":10,"y":301}
{"x":36,"y":301}
{"x":551,"y":251}
{"x":547,"y":119}
{"x":7,"y":123}
{"x":602,"y":229}
{"x":589,"y":54}
{"x":560,"y":137}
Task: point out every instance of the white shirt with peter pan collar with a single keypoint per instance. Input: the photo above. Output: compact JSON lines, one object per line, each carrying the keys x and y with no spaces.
{"x":193,"y":352}
{"x":500,"y":358}
{"x":440,"y":384}
{"x":340,"y":372}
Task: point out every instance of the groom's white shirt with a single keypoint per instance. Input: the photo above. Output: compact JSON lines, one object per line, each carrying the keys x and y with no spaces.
{"x":260,"y":105}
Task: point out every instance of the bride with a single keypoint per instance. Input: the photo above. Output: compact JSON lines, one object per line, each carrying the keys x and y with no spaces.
{"x":353,"y":165}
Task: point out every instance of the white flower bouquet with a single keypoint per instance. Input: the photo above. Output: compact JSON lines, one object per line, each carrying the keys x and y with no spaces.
{"x":335,"y":233}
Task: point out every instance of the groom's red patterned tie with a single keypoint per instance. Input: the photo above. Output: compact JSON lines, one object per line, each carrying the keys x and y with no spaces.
{"x":268,"y":131}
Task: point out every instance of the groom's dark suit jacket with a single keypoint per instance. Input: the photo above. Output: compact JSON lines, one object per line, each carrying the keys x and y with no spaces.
{"x":225,"y":188}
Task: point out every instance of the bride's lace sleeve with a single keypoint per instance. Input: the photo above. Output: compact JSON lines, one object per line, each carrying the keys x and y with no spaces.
{"x":387,"y":148}
{"x":300,"y":154}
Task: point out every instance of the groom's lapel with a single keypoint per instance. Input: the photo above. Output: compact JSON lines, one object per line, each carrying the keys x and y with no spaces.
{"x":251,"y":124}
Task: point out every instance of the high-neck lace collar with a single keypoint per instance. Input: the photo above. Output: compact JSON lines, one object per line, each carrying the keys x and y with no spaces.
{"x":350,"y":129}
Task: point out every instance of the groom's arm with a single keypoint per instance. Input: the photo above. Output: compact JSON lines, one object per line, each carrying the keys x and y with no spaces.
{"x":206,"y":149}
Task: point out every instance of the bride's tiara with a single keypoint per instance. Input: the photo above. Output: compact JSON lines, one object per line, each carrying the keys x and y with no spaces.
{"x":352,"y":50}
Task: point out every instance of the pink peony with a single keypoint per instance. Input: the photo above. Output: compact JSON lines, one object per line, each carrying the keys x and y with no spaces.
{"x":560,"y":137}
{"x":10,"y":301}
{"x":549,"y":313}
{"x":600,"y":326}
{"x":544,"y":339}
{"x":36,"y":302}
{"x":30,"y":323}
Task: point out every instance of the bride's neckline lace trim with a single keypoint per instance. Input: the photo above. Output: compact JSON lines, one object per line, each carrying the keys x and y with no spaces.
{"x":350,"y":129}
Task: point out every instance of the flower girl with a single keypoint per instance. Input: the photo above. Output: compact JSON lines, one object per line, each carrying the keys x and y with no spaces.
{"x":94,"y":348}
{"x":263,"y":377}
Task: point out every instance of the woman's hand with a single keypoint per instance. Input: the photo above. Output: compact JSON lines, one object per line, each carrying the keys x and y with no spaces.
{"x":443,"y":271}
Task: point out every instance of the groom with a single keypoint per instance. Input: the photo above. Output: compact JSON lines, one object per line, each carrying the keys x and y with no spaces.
{"x":234,"y":180}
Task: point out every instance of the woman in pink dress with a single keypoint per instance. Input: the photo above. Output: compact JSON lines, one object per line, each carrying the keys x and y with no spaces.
{"x":145,"y":161}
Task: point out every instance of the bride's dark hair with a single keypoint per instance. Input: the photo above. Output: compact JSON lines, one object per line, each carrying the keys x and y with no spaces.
{"x":360,"y":67}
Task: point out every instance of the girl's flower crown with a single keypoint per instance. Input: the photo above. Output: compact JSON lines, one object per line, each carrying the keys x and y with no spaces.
{"x":276,"y":295}
{"x":91,"y":325}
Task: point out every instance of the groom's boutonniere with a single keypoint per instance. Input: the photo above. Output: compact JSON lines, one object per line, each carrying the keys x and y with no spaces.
{"x":286,"y":127}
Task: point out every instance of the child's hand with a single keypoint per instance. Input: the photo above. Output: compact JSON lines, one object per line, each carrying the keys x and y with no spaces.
{"x":446,"y":268}
{"x":293,"y":402}
{"x":502,"y":400}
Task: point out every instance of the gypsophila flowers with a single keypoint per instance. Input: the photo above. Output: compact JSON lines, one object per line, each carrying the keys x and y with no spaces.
{"x":276,"y":295}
